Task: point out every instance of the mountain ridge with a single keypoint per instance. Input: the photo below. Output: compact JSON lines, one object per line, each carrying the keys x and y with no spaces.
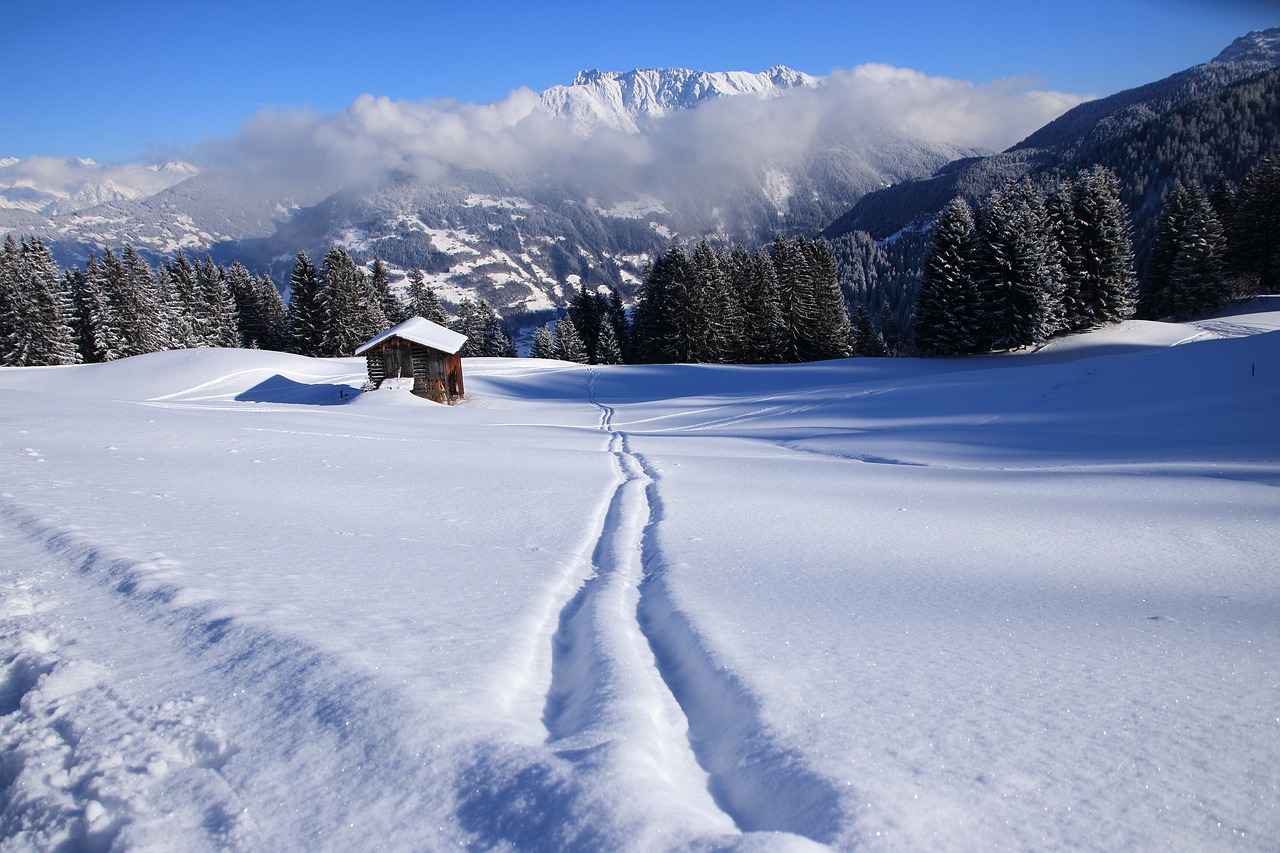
{"x":1085,"y":127}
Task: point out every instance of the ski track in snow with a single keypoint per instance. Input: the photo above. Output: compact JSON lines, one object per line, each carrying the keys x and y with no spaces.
{"x":627,"y":659}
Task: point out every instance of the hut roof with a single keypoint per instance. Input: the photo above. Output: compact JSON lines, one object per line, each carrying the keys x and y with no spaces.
{"x":419,"y":331}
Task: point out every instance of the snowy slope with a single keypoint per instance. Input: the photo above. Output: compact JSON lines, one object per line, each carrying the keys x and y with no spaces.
{"x":1011,"y":602}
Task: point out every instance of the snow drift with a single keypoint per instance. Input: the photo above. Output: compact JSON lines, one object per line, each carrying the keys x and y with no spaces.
{"x":1021,"y":601}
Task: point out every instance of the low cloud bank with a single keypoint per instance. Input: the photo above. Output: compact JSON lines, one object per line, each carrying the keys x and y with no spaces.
{"x":517,"y":135}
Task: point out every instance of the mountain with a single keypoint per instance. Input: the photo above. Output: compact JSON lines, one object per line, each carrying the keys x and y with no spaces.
{"x":581,"y":183}
{"x":1081,"y":137}
{"x":623,"y":101}
{"x":54,"y":186}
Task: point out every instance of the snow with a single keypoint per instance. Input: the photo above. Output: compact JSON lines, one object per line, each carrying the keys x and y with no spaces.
{"x":420,"y":331}
{"x":1013,"y":602}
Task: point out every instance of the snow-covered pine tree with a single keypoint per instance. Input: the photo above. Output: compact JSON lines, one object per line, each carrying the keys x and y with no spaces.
{"x":1155,"y":295}
{"x":305,"y":314}
{"x":35,"y":313}
{"x":544,"y":345}
{"x":470,"y":322}
{"x":13,"y":306}
{"x":795,"y":292}
{"x":867,"y":342}
{"x":274,"y":314}
{"x":1075,"y":296}
{"x":52,"y":335}
{"x":585,"y":311}
{"x":497,"y":343}
{"x":133,"y":317}
{"x":568,"y":344}
{"x":1020,"y":270}
{"x":186,"y":304}
{"x":764,"y":326}
{"x":1102,"y":279}
{"x":1197,"y":280}
{"x":712,"y":324}
{"x":423,"y":301}
{"x":660,"y":322}
{"x":89,"y":295}
{"x":832,"y":332}
{"x":617,"y":314}
{"x":352,"y":310}
{"x":946,"y":314}
{"x":608,"y":348}
{"x":1256,"y":227}
{"x":259,"y":308}
{"x":218,"y":325}
{"x":392,"y":308}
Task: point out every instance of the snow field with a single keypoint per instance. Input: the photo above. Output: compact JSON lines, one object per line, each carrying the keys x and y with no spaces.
{"x":1024,"y":601}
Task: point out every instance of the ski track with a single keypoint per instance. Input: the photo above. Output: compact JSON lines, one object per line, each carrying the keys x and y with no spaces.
{"x":627,"y":659}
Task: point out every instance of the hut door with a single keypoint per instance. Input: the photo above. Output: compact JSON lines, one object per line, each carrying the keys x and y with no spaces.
{"x":399,"y":361}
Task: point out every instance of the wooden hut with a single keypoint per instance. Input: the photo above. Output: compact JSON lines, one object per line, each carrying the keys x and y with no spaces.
{"x":419,"y":349}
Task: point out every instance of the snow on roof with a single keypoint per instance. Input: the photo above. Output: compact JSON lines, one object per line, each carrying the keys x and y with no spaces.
{"x":420,"y":331}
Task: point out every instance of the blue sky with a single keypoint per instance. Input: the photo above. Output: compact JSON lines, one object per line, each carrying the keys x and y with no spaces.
{"x":139,"y":78}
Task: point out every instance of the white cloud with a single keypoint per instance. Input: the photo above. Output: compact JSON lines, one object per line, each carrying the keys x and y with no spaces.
{"x":377,"y":135}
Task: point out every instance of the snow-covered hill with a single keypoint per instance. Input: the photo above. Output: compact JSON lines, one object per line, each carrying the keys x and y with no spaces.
{"x":1008,"y":602}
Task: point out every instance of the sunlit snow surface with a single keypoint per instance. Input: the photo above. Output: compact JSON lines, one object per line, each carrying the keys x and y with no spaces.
{"x":1016,"y":602}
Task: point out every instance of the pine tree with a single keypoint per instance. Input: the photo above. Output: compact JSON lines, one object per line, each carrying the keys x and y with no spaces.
{"x":423,"y":301}
{"x":946,"y":316}
{"x":259,"y":308}
{"x":305,"y":315}
{"x":51,"y":309}
{"x":352,"y":310}
{"x":218,"y":324}
{"x":568,"y":345}
{"x":186,"y":304}
{"x":97,"y":341}
{"x":35,"y":311}
{"x":392,"y":308}
{"x":1103,"y":283}
{"x":584,"y":309}
{"x":1063,"y":211}
{"x":1197,"y":281}
{"x":13,"y":306}
{"x":764,"y":327}
{"x":131,"y":317}
{"x":795,"y":291}
{"x":1256,"y":227}
{"x":1155,"y":298}
{"x":617,"y":314}
{"x":608,"y":348}
{"x":867,"y":342}
{"x":661,"y":324}
{"x":1020,"y":270}
{"x":497,"y":343}
{"x":832,"y":332}
{"x":544,"y":345}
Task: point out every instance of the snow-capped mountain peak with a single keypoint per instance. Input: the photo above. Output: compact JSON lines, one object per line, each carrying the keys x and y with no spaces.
{"x":623,"y":100}
{"x":1261,"y":46}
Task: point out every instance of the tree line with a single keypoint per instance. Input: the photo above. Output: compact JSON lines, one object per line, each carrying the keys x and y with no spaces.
{"x":1211,"y":248}
{"x":1030,"y":264}
{"x":1026,"y":266}
{"x":1022,"y":265}
{"x":714,"y":305}
{"x":119,"y":306}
